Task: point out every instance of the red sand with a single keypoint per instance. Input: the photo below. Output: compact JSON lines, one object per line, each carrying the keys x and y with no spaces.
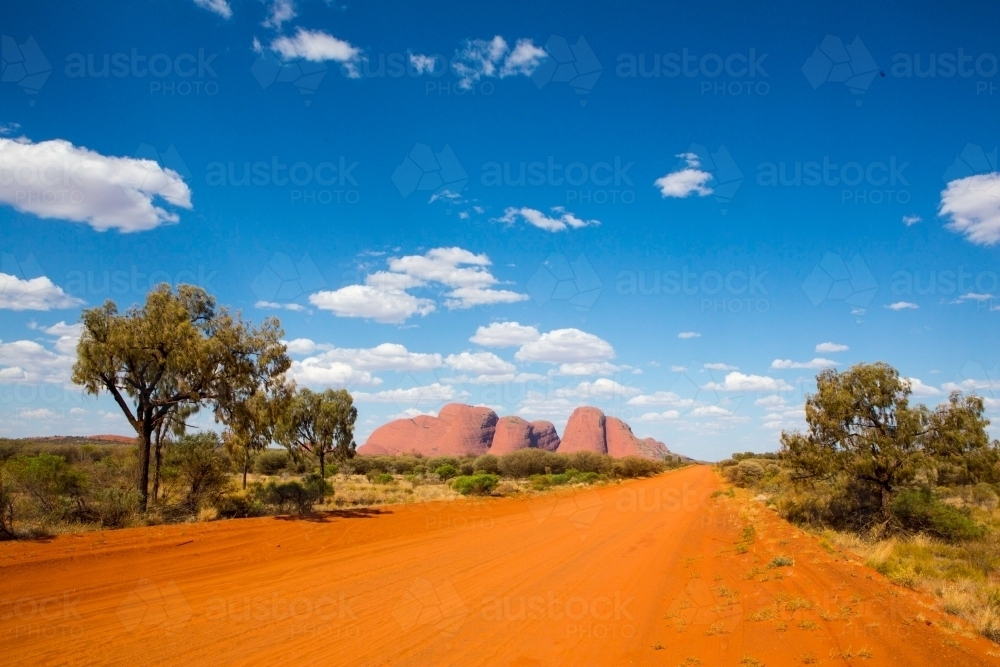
{"x":591,"y":577}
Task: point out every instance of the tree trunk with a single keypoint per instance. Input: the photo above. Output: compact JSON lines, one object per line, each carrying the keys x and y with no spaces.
{"x":143,"y":479}
{"x":246,"y":467}
{"x":158,"y":459}
{"x":322,"y":467}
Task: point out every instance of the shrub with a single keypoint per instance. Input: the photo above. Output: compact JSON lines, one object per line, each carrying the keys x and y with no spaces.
{"x":200,"y":465}
{"x":446,"y":471}
{"x":589,"y":462}
{"x":527,"y":462}
{"x":376,"y":477}
{"x":919,"y":510}
{"x":480,"y":484}
{"x":6,"y":508}
{"x":438,"y":461}
{"x":634,"y":466}
{"x":53,"y":487}
{"x":240,"y":505}
{"x":271,"y":462}
{"x":466,"y":468}
{"x":746,"y":473}
{"x":295,"y":494}
{"x":116,"y":506}
{"x":487,"y":463}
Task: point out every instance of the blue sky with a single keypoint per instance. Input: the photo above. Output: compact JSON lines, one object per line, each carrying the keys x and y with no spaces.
{"x":676,"y":215}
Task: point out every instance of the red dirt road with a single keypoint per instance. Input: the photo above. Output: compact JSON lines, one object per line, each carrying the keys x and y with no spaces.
{"x":645,"y":572}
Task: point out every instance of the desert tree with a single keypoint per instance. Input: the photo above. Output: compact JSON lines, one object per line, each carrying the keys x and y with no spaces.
{"x":321,"y":423}
{"x":251,"y":424}
{"x":177,"y":349}
{"x":862,"y":429}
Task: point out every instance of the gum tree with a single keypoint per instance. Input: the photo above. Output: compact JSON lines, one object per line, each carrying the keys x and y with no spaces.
{"x":177,"y":349}
{"x":320,"y":423}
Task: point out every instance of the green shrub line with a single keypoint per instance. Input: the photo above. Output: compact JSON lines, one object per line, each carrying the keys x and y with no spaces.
{"x":77,"y":483}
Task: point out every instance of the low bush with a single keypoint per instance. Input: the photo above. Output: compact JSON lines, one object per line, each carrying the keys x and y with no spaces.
{"x":746,"y":473}
{"x":242,"y":505}
{"x":446,"y":471}
{"x":376,"y":477}
{"x":200,"y":466}
{"x":634,"y":466}
{"x":480,"y":484}
{"x":55,"y":490}
{"x":527,"y":462}
{"x":272,"y":462}
{"x":918,"y":510}
{"x":487,"y":463}
{"x":7,"y":531}
{"x":296,"y":495}
{"x":571,"y":476}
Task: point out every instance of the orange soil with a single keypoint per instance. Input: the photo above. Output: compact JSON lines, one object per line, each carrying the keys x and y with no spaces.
{"x":644,"y":572}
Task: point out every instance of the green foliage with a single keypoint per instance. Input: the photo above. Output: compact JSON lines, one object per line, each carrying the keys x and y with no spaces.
{"x":480,"y":484}
{"x":780,"y":561}
{"x":321,"y":423}
{"x":296,"y":495}
{"x":7,"y":529}
{"x":200,"y":467}
{"x":746,"y":473}
{"x":634,"y":466}
{"x":571,"y":476}
{"x":243,"y":504}
{"x":487,"y":463}
{"x":54,"y":489}
{"x":272,"y":462}
{"x":446,"y":471}
{"x":466,"y":468}
{"x":919,"y":510}
{"x":527,"y":462}
{"x":376,"y":477}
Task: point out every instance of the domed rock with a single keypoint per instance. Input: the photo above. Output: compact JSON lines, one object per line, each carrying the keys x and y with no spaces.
{"x":544,"y":436}
{"x":458,"y":430}
{"x":512,"y":434}
{"x":622,"y":442}
{"x":584,"y":432}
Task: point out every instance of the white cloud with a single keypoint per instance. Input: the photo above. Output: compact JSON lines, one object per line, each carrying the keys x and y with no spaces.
{"x":386,"y":306}
{"x":973,"y":296}
{"x":661,"y":398}
{"x":720,"y":367}
{"x":902,"y":305}
{"x":831,"y":347}
{"x":410,"y":413}
{"x":281,"y":11}
{"x":479,"y":363}
{"x":27,"y":362}
{"x":422,"y":64}
{"x":504,"y":334}
{"x":34,"y":294}
{"x":479,"y":58}
{"x":463,"y":271}
{"x":589,"y":368}
{"x":220,"y":7}
{"x":318,"y":46}
{"x":770,"y":402}
{"x":316,"y":371}
{"x":686,"y":181}
{"x":818,"y":362}
{"x":668,"y":415}
{"x":68,"y":337}
{"x":566,"y":346}
{"x":435,"y":392}
{"x":562,"y":221}
{"x":678,"y":369}
{"x":55,"y":179}
{"x":523,"y":59}
{"x":273,"y":305}
{"x":918,"y":388}
{"x":972,"y":205}
{"x":711,"y":411}
{"x":910,"y":220}
{"x":37,"y":414}
{"x":537,"y":405}
{"x":602,"y":388}
{"x":505,"y":378}
{"x":685,"y":335}
{"x":300,"y":346}
{"x":736,"y":381}
{"x":383,"y":357}
{"x":384,"y":298}
{"x":784,"y":419}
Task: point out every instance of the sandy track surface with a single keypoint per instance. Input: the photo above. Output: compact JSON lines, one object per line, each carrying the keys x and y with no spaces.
{"x":645,"y":572}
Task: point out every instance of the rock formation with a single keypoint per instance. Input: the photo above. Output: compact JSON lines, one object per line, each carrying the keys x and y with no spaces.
{"x":463,"y":430}
{"x":584,"y":432}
